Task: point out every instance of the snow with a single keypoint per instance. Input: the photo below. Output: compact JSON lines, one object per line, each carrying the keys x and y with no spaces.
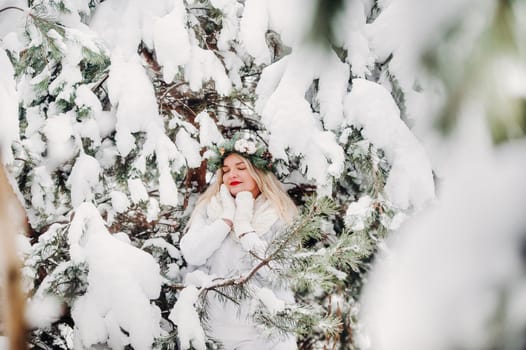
{"x":270,"y":300}
{"x":85,"y":37}
{"x":130,"y":88}
{"x":38,"y":78}
{"x":398,"y":20}
{"x":119,"y":201}
{"x":350,"y":32}
{"x":179,"y":120}
{"x":12,"y":21}
{"x":173,"y":271}
{"x":204,"y":66}
{"x":153,"y":210}
{"x":358,"y":213}
{"x":42,"y":311}
{"x":123,"y":237}
{"x":252,"y":30}
{"x":35,"y":36}
{"x":208,"y":132}
{"x":161,"y":243}
{"x":171,"y":50}
{"x":121,"y":282}
{"x":199,"y":279}
{"x":168,"y":190}
{"x":393,"y":32}
{"x":140,"y":164}
{"x":397,"y":221}
{"x":234,"y":65}
{"x":70,"y":73}
{"x":161,"y":26}
{"x":106,"y":122}
{"x":291,"y":19}
{"x":442,"y":277}
{"x":83,"y":179}
{"x":166,"y":152}
{"x":410,"y":182}
{"x":286,"y":108}
{"x":189,"y":147}
{"x":59,"y":133}
{"x":342,"y":276}
{"x":185,"y":317}
{"x":12,"y":43}
{"x":8,"y":108}
{"x":78,"y":6}
{"x":131,"y":21}
{"x":137,"y":190}
{"x":58,"y":41}
{"x":89,"y":129}
{"x":107,"y":154}
{"x":86,"y":98}
{"x":334,"y":78}
{"x":229,"y":20}
{"x":35,"y":121}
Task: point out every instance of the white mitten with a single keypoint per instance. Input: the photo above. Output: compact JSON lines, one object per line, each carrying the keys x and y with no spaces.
{"x":244,"y":213}
{"x":227,"y":201}
{"x":251,"y":242}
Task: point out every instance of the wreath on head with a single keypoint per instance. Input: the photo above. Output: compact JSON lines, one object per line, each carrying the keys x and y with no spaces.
{"x":246,"y":145}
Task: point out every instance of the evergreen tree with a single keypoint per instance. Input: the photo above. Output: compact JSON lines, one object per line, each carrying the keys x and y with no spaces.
{"x":114,"y":127}
{"x":448,"y":262}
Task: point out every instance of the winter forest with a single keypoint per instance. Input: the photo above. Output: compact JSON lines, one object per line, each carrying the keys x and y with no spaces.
{"x":398,"y":127}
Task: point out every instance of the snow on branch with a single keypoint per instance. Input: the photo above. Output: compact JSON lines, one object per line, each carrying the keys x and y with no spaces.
{"x":281,"y":252}
{"x":121,"y":282}
{"x":370,"y":106}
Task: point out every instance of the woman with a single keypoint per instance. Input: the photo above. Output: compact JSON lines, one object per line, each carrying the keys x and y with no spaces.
{"x":230,"y":228}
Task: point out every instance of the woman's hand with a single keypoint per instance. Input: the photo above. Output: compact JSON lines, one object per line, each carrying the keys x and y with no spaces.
{"x":229,"y":205}
{"x":244,"y":211}
{"x":252,"y":243}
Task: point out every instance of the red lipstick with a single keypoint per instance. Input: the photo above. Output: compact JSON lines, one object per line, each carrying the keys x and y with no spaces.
{"x":235,"y":183}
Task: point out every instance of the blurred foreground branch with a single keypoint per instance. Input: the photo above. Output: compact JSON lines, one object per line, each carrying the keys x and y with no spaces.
{"x":13,"y":298}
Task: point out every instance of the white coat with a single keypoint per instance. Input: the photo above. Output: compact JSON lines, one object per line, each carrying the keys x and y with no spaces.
{"x":211,"y":247}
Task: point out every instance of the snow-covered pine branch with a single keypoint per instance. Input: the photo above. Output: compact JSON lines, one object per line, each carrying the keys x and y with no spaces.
{"x":286,"y":259}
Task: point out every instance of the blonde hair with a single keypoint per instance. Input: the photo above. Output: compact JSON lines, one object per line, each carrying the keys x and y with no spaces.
{"x":268,"y":185}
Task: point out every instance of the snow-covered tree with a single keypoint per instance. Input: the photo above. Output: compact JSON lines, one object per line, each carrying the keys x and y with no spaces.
{"x":453,"y":277}
{"x":110,"y":107}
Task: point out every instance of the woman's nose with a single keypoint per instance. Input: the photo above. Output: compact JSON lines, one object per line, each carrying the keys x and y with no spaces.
{"x":232,"y":174}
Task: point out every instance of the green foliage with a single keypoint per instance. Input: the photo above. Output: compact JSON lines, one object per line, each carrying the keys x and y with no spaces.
{"x":169,"y":342}
{"x":57,"y":337}
{"x":53,"y":266}
{"x":51,"y":247}
{"x":49,"y":34}
{"x":94,"y":65}
{"x":68,"y":281}
{"x":44,"y":7}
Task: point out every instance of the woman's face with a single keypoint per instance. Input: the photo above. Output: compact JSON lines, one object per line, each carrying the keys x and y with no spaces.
{"x":236,"y":176}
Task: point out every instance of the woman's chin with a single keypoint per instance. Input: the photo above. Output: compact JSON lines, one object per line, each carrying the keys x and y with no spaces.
{"x":234,"y":190}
